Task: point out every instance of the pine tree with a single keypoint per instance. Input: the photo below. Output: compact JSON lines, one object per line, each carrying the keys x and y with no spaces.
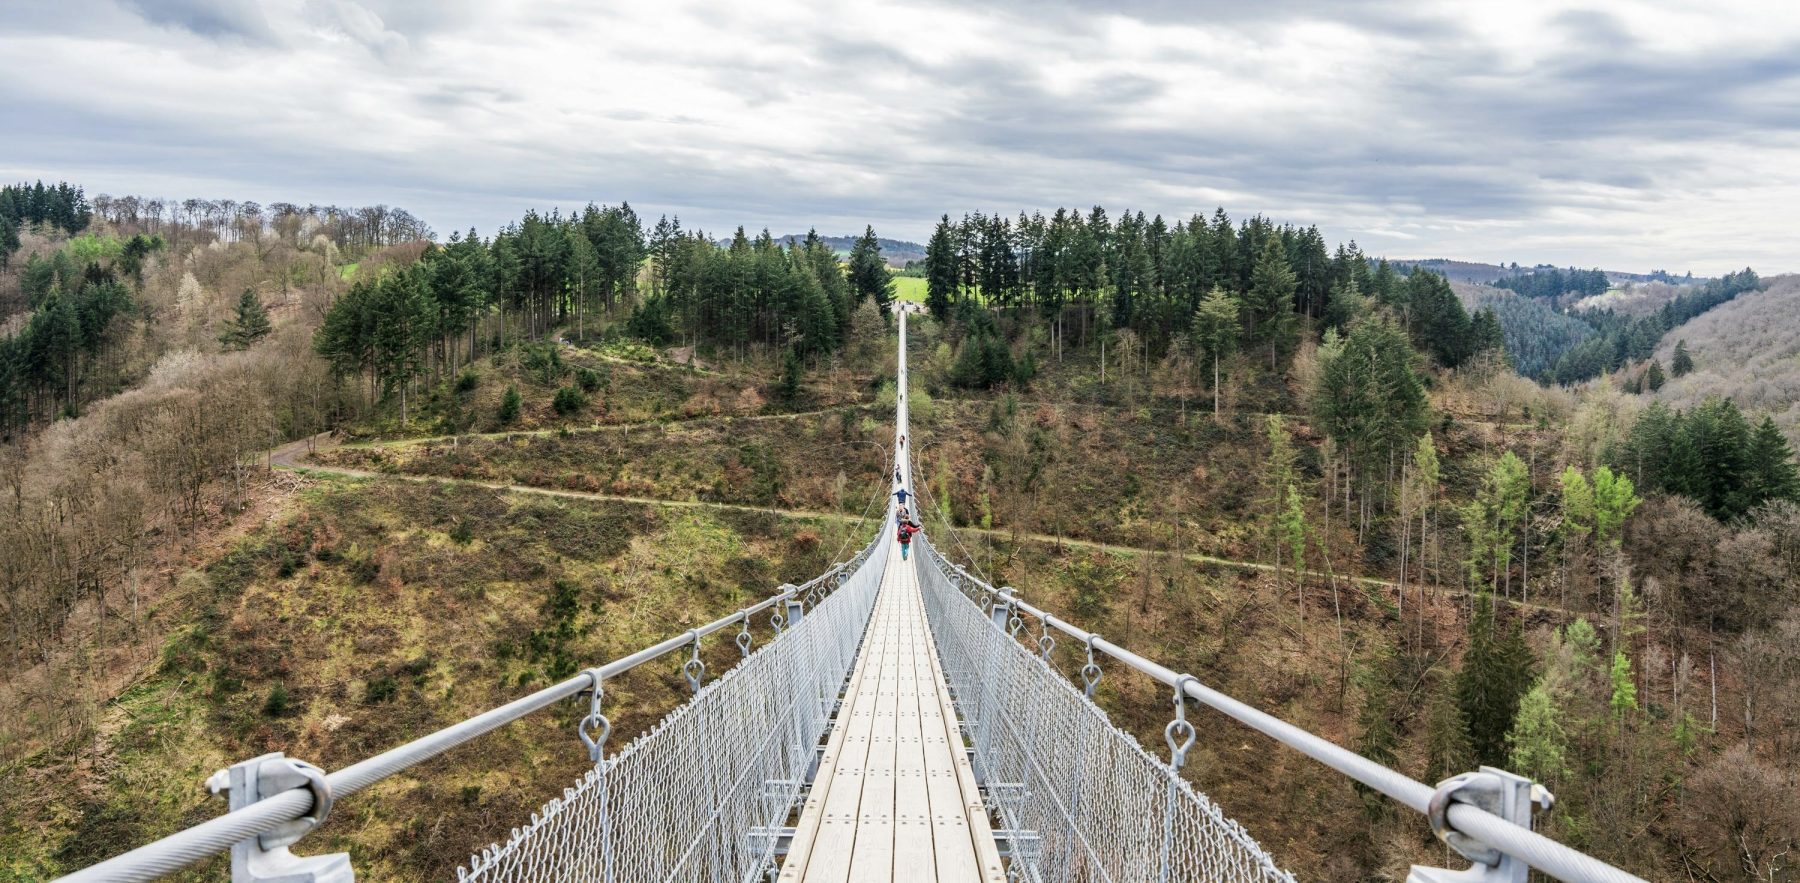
{"x":1215,"y":334}
{"x":1293,"y":533}
{"x":1270,"y":299}
{"x":1682,"y":363}
{"x":1278,"y":475}
{"x":1538,"y":746}
{"x":9,"y":241}
{"x":940,"y":271}
{"x":250,"y":325}
{"x":1496,"y":672}
{"x":509,"y":406}
{"x":1492,"y":518}
{"x":793,"y":369}
{"x":1447,"y":748}
{"x":1614,"y":500}
{"x":1377,"y":739}
{"x":1770,"y":471}
{"x":1653,"y":378}
{"x":869,"y":276}
{"x":1624,"y":688}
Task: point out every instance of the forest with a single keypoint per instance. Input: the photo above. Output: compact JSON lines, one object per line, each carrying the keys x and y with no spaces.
{"x":1185,"y":433}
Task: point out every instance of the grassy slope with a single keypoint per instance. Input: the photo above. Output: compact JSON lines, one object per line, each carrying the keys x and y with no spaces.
{"x":387,"y":610}
{"x":909,"y":288}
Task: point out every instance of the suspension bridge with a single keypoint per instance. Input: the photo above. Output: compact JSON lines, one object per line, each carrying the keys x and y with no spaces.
{"x":905,"y":723}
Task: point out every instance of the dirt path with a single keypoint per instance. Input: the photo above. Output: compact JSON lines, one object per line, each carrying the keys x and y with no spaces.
{"x":411,"y":440}
{"x":291,"y":457}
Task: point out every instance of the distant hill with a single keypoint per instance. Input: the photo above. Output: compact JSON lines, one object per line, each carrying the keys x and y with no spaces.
{"x":1536,"y":334}
{"x":1486,"y":274}
{"x":897,"y":251}
{"x":1747,"y":349}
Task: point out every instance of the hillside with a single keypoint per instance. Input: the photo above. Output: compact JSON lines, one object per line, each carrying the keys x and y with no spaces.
{"x":1309,"y":501}
{"x":897,"y":251}
{"x":1748,"y":350}
{"x":1537,"y":335}
{"x":1483,"y":274}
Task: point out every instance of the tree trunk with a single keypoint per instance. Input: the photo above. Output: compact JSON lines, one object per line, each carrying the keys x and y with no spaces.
{"x":1215,"y":382}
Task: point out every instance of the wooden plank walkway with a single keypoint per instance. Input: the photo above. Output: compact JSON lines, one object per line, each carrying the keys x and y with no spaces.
{"x":895,"y":797}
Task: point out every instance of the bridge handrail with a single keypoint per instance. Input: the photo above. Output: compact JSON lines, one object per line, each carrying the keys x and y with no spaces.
{"x":215,"y":836}
{"x":1530,"y":847}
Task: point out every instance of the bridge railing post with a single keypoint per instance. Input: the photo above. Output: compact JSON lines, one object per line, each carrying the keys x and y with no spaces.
{"x":265,"y":858}
{"x":1503,"y":794}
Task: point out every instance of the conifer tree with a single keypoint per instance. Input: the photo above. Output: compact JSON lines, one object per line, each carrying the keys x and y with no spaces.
{"x":1624,"y":688}
{"x":940,"y":271}
{"x":1496,"y":672}
{"x":1538,"y":746}
{"x":1278,"y":476}
{"x":9,"y":240}
{"x":510,"y":404}
{"x":1269,"y":301}
{"x":1615,"y":498}
{"x":1770,"y":466}
{"x":1293,"y":533}
{"x":1447,"y":748}
{"x":249,"y":325}
{"x":869,"y":276}
{"x":1682,"y":363}
{"x":1215,"y":334}
{"x":1653,"y":377}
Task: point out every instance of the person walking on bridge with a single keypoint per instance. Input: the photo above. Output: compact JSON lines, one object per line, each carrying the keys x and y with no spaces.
{"x":901,"y":495}
{"x":908,"y":527}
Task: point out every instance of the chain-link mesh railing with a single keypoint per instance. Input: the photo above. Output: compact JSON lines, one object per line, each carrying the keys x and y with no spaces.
{"x":1083,"y":800}
{"x":703,"y":795}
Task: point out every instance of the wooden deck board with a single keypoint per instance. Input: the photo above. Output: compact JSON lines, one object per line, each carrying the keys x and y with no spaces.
{"x":895,"y":797}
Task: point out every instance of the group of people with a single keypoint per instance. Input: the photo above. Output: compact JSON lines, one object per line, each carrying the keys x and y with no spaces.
{"x":908,"y":526}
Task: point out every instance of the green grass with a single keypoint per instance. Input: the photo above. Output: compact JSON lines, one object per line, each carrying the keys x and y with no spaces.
{"x":909,"y":288}
{"x":348,"y":271}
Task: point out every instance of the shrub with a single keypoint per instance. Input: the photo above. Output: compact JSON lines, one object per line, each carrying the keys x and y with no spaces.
{"x":277,"y":703}
{"x":545,"y":361}
{"x":468,"y":380}
{"x":509,"y":406}
{"x":569,"y":401}
{"x":588,"y":379}
{"x":380,"y":689}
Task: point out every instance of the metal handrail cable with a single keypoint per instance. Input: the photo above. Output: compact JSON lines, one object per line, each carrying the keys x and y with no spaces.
{"x":1535,"y":849}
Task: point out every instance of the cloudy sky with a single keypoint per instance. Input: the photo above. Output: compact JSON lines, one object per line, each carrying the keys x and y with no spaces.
{"x":1629,"y":135}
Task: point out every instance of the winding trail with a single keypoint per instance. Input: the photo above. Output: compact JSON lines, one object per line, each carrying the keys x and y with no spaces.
{"x":291,"y":457}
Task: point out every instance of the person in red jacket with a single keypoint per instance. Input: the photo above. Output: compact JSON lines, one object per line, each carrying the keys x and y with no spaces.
{"x":908,"y":527}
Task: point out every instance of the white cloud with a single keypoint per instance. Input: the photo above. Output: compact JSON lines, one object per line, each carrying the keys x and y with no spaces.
{"x":1634,"y":136}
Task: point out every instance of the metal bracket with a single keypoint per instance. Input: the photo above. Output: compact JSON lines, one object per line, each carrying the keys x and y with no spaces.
{"x":796,"y":610}
{"x":1496,"y":791}
{"x":1018,"y":845}
{"x":265,"y":858}
{"x":1002,"y":609}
